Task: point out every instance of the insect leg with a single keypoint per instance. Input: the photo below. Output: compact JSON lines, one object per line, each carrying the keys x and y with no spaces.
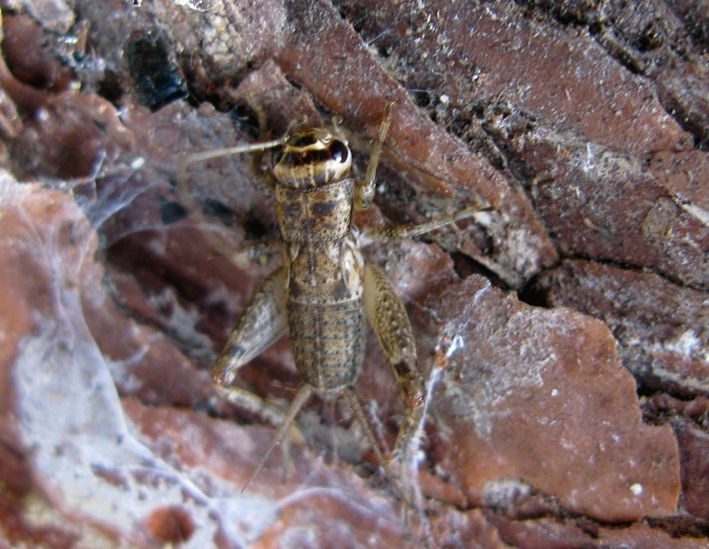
{"x":365,"y":191}
{"x":355,"y":407}
{"x":405,"y":491}
{"x":387,"y":315}
{"x":395,"y":232}
{"x":261,"y":323}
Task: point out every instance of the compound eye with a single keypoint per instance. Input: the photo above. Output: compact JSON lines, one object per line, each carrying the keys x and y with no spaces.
{"x":339,"y":151}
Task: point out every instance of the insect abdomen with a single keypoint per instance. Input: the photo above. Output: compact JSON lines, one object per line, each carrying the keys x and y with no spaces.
{"x":327,"y":341}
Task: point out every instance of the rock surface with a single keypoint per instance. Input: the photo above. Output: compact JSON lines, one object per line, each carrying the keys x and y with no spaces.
{"x":563,"y":332}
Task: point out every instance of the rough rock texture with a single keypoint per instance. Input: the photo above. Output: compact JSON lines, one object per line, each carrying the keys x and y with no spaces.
{"x":558,"y":416}
{"x":563,"y":332}
{"x":662,"y":330}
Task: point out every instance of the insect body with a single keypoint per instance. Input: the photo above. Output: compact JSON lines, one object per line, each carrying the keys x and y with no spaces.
{"x":324,"y":290}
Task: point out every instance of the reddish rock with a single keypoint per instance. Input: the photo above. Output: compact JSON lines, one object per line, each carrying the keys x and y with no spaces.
{"x":309,"y":501}
{"x":170,"y":525}
{"x":580,"y":144}
{"x":694,"y":462}
{"x":542,"y":534}
{"x":661,"y":328}
{"x":85,"y":459}
{"x":541,"y":396}
{"x":27,"y":56}
{"x":644,"y":536}
{"x":547,"y":534}
{"x":42,"y":251}
{"x":578,"y":127}
{"x":470,"y":529}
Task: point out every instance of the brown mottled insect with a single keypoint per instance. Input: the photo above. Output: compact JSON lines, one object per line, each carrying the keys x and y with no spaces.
{"x":324,"y":289}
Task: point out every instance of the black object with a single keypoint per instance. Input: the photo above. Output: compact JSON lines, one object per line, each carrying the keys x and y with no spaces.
{"x":157,"y":79}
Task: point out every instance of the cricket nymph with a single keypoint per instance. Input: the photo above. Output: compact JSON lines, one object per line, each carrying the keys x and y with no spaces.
{"x":324,"y":290}
{"x":323,"y":269}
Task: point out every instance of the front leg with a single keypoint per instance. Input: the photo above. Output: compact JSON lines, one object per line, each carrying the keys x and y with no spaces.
{"x":387,"y":315}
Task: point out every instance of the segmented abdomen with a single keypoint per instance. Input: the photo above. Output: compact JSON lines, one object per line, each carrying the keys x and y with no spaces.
{"x":327,"y":339}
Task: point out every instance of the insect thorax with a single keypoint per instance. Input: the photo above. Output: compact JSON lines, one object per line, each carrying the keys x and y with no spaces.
{"x":314,"y":192}
{"x":316,"y":214}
